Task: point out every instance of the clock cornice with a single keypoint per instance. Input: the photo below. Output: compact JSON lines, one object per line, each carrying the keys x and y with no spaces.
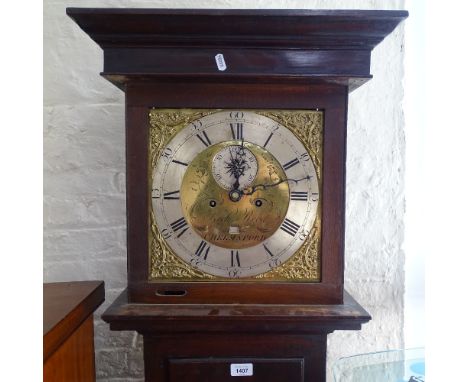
{"x":315,"y":46}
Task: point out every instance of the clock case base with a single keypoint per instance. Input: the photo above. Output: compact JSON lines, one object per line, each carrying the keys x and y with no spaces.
{"x":199,"y":342}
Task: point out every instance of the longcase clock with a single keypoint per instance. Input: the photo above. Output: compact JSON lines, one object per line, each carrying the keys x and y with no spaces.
{"x":235,"y":170}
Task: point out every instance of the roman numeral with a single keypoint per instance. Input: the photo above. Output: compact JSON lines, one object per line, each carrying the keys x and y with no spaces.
{"x":203,"y":246}
{"x":268,"y":140}
{"x":290,"y":164}
{"x":235,"y":260}
{"x":299,"y":195}
{"x":237,"y":130}
{"x":290,"y":227}
{"x":205,"y":140}
{"x":179,"y":162}
{"x":268,"y":251}
{"x":174,"y":195}
{"x":180,"y":224}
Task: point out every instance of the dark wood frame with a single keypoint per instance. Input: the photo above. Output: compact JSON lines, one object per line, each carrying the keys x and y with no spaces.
{"x":276,"y":59}
{"x":330,"y":98}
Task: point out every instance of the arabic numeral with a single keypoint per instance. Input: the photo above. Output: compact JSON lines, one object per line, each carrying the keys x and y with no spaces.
{"x":234,"y":273}
{"x":304,"y":157}
{"x":166,"y":234}
{"x":303,"y":234}
{"x":156,"y":193}
{"x":196,"y":125}
{"x":236,"y":114}
{"x":195,"y":262}
{"x":167,"y":154}
{"x":274,"y":263}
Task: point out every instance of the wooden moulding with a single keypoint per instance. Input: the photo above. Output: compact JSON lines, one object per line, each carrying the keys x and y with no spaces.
{"x":258,"y":45}
{"x":254,"y":318}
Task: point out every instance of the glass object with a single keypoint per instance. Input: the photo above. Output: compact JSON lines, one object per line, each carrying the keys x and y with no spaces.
{"x":387,"y":366}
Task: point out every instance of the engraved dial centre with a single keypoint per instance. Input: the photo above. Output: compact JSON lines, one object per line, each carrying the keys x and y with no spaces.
{"x":211,"y":211}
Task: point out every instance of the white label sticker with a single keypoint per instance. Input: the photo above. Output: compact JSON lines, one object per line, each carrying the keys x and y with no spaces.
{"x":219,"y":58}
{"x":241,"y":369}
{"x":233,"y":230}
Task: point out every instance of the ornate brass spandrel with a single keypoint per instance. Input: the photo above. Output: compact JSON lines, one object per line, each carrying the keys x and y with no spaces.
{"x":164,"y":264}
{"x":304,"y":266}
{"x":307,"y":126}
{"x":165,"y":123}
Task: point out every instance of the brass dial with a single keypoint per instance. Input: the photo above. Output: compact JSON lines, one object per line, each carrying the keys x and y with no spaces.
{"x":235,"y":194}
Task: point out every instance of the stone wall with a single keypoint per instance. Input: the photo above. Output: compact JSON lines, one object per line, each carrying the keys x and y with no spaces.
{"x":84,"y":180}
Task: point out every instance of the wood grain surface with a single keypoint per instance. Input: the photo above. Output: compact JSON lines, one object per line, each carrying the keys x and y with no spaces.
{"x":68,"y":332}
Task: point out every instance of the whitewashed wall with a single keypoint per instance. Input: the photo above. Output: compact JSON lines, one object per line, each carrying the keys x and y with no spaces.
{"x":84,"y":180}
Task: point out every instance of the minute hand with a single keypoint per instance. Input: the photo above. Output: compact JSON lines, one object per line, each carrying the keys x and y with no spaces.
{"x":257,"y":187}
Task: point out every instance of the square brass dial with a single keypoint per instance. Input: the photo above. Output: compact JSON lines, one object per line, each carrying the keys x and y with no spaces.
{"x":166,"y":265}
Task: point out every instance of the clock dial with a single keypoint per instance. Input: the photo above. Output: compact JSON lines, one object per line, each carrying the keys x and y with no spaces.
{"x":235,"y":194}
{"x":234,"y":167}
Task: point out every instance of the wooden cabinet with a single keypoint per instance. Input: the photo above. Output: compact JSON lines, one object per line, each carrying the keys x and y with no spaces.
{"x":68,"y":342}
{"x":194,"y":342}
{"x":194,"y":327}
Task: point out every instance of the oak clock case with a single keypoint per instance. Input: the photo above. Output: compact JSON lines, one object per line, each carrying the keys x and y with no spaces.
{"x":235,"y":195}
{"x":209,"y":152}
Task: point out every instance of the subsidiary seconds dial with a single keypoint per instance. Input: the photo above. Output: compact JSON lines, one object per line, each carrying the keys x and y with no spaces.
{"x":234,"y":167}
